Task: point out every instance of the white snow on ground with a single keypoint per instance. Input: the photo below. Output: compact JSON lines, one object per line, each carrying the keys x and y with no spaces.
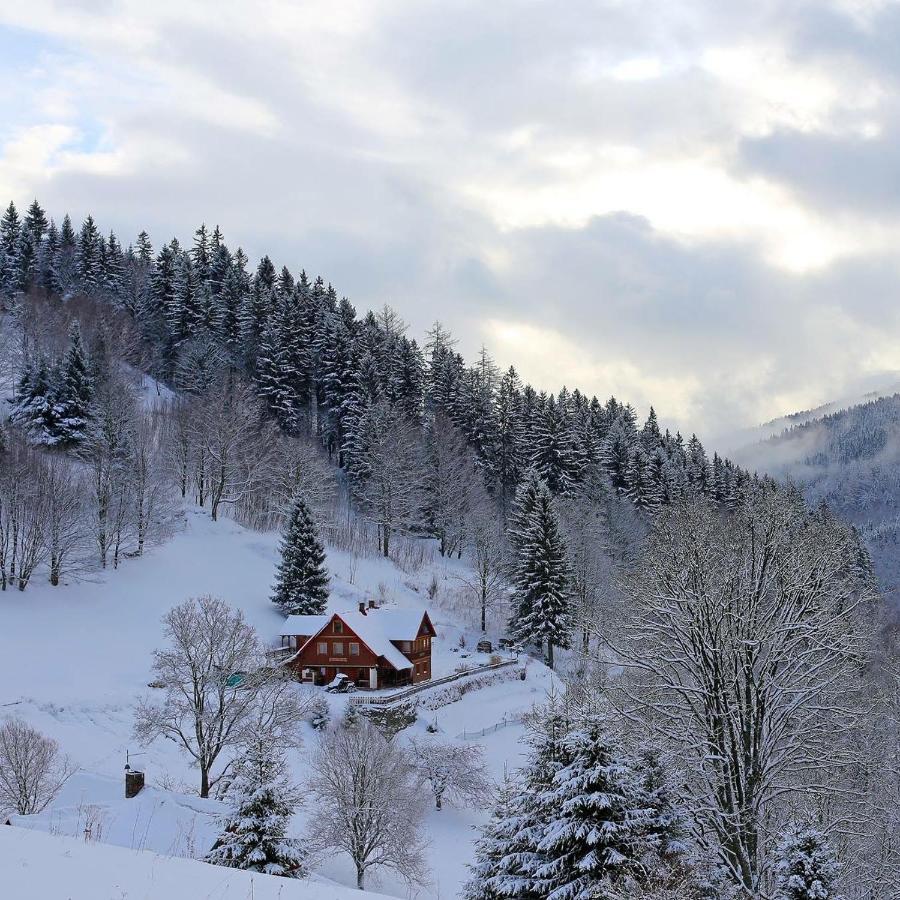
{"x":93,"y":807}
{"x":40,"y":866}
{"x":74,"y":658}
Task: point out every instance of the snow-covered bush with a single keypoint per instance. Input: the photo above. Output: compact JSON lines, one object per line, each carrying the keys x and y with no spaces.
{"x":806,"y":868}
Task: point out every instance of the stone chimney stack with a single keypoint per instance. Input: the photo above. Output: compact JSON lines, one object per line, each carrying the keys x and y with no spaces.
{"x":134,"y":782}
{"x":372,"y":604}
{"x":362,"y":607}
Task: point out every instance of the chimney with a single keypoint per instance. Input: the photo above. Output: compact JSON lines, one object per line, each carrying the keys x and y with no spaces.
{"x":134,"y":782}
{"x":372,"y":604}
{"x":362,"y":606}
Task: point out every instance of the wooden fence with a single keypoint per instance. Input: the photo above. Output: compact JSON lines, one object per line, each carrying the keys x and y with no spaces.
{"x":491,"y":729}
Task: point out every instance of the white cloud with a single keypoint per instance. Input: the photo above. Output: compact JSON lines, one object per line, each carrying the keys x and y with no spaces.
{"x":416,"y":151}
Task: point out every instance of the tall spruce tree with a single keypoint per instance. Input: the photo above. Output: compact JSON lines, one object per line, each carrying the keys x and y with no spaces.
{"x":11,"y":280}
{"x":501,"y":846}
{"x":74,"y":393}
{"x":254,"y":832}
{"x":64,"y":266}
{"x":594,"y":835}
{"x":301,"y":586}
{"x":541,"y":596}
{"x":508,"y":856}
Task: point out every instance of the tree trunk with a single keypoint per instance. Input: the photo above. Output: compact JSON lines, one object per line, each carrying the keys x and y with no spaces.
{"x":204,"y":781}
{"x":360,"y":877}
{"x":550,"y":654}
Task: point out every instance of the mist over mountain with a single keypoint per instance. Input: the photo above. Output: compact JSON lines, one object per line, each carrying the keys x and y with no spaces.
{"x":848,"y":458}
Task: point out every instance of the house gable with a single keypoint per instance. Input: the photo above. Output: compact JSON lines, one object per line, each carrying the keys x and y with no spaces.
{"x":392,"y":641}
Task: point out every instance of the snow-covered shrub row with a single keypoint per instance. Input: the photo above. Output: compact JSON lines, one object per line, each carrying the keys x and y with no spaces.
{"x":457,"y":690}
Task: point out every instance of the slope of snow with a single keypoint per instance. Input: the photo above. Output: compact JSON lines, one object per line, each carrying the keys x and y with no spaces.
{"x":75,"y":658}
{"x":39,"y":866}
{"x":94,"y":807}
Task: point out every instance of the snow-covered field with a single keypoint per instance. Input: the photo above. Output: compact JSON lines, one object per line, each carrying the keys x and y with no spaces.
{"x":39,"y":866}
{"x":75,"y":658}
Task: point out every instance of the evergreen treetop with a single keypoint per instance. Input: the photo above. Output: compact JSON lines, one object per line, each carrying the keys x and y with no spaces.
{"x":301,"y":585}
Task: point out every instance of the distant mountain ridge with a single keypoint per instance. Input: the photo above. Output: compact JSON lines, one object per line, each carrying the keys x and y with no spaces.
{"x":850,"y":459}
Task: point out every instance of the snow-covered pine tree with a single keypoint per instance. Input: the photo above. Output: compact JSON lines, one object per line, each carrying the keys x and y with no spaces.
{"x":74,"y":393}
{"x":46,"y":253}
{"x":10,"y":252}
{"x":594,"y":835}
{"x":65,"y":265}
{"x":806,"y":867}
{"x":301,"y":586}
{"x":254,"y":831}
{"x":553,"y":454}
{"x":666,"y":827}
{"x":34,"y":226}
{"x":507,"y":856}
{"x":541,"y":601}
{"x":88,"y":257}
{"x":498,"y":850}
{"x":34,"y":406}
{"x":508,"y":451}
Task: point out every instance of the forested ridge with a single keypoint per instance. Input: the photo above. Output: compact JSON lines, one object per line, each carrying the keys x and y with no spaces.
{"x":195,"y":312}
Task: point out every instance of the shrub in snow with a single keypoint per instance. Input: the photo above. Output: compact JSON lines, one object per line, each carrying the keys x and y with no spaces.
{"x":254,"y":831}
{"x":301,"y":586}
{"x":319,"y":713}
{"x":806,"y":868}
{"x":453,"y":692}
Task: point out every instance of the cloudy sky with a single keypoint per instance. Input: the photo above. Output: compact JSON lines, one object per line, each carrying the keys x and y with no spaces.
{"x":690,"y":204}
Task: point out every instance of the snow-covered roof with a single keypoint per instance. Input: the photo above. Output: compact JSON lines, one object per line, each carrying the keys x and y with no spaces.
{"x":376,"y":631}
{"x":304,"y":625}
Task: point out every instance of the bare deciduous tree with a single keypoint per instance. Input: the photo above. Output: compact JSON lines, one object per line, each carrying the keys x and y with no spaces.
{"x":369,"y":803}
{"x":451,"y":771}
{"x":388,"y":469}
{"x":232,"y":440}
{"x":744,"y":639}
{"x":453,"y":487}
{"x":22,"y":544}
{"x":485,"y":581}
{"x":32,"y":771}
{"x":150,"y":491}
{"x":107,"y":453}
{"x":63,"y":517}
{"x":216,"y":686}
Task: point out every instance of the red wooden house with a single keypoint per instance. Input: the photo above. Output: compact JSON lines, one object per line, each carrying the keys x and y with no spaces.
{"x":373,"y":647}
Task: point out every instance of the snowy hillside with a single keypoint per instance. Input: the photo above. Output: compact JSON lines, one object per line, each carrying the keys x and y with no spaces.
{"x":40,"y":866}
{"x":76,"y":658}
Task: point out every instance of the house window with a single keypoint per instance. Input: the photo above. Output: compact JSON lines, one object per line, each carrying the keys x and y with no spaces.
{"x":338,"y":647}
{"x":323,"y":648}
{"x":354,"y":649}
{"x":338,"y":626}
